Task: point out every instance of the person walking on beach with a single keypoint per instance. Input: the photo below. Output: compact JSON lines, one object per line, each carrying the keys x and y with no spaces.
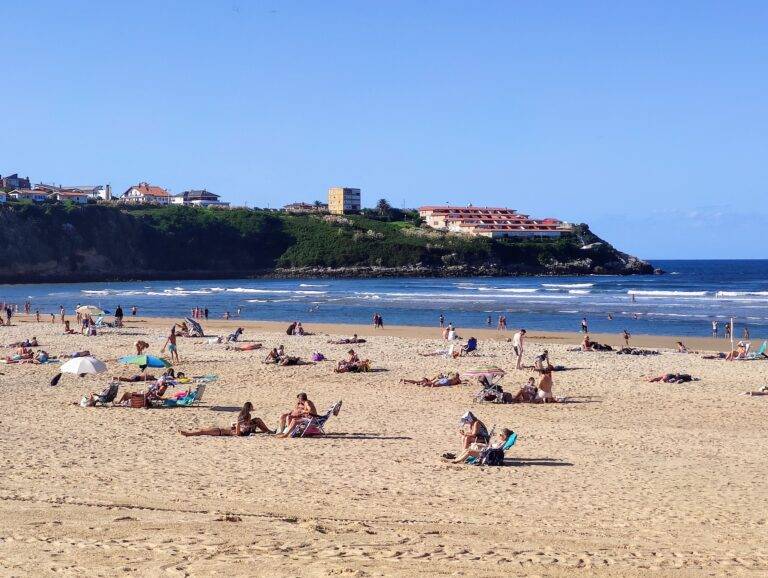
{"x":584,"y":328}
{"x":205,"y":313}
{"x":727,"y":332}
{"x":518,"y":343}
{"x":62,"y":313}
{"x":626,"y":336}
{"x":714,"y":328}
{"x":170,"y":343}
{"x":134,"y":310}
{"x":119,"y":316}
{"x":745,"y":333}
{"x":442,"y":320}
{"x":37,"y":315}
{"x":488,"y":321}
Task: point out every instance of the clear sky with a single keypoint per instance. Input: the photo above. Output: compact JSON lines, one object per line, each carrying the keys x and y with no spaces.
{"x":648,"y":120}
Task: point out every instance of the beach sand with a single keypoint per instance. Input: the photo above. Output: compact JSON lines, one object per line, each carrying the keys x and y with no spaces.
{"x":627,"y":478}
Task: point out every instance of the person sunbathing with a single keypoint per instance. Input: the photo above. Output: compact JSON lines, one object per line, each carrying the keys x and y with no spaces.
{"x":244,"y":347}
{"x":245,"y":425}
{"x":347,"y":341}
{"x":272,"y":356}
{"x":671,"y":378}
{"x":303,"y":409}
{"x":472,"y":431}
{"x":287,"y":360}
{"x":739,"y":353}
{"x":439,"y":380}
{"x":476,"y":449}
{"x":544,"y":393}
{"x":452,"y":351}
{"x":762,"y":391}
{"x":135,"y":378}
{"x":527,"y":393}
{"x":26,"y":343}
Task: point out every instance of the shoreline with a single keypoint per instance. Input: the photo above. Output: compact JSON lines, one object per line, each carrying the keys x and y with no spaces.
{"x":221,"y":326}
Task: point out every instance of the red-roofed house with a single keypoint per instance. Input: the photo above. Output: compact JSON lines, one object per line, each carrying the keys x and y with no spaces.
{"x":491,"y":222}
{"x":144,"y":193}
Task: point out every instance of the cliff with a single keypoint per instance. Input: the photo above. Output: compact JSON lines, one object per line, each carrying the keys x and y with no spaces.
{"x":54,"y":242}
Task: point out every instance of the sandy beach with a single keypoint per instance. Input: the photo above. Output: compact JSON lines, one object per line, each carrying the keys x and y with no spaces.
{"x":624,"y":479}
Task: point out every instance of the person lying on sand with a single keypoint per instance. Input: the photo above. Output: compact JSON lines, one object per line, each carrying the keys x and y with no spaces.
{"x":26,"y":343}
{"x":438,"y":381}
{"x":245,"y":425}
{"x":355,"y":339}
{"x":475,"y":449}
{"x":672,"y":378}
{"x":472,"y":431}
{"x":762,"y":391}
{"x":304,"y":408}
{"x":244,"y":347}
{"x":135,"y":378}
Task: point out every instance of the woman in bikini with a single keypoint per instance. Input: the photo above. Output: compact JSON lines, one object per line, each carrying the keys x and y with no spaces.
{"x":245,"y":425}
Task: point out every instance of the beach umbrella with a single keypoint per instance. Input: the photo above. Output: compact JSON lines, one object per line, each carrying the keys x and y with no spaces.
{"x":489,"y":371}
{"x":144,"y":361}
{"x":83,"y":365}
{"x":90,"y":310}
{"x":197,"y":329}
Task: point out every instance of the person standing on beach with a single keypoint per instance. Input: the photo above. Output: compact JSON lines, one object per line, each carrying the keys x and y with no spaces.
{"x":134,"y":310}
{"x":584,"y":328}
{"x":518,"y":343}
{"x":205,"y":312}
{"x":442,"y":320}
{"x":745,"y":333}
{"x":714,"y":328}
{"x":626,"y":336}
{"x":119,"y":316}
{"x":37,"y":315}
{"x":62,"y":313}
{"x":170,"y":343}
{"x":488,"y":321}
{"x":727,"y":332}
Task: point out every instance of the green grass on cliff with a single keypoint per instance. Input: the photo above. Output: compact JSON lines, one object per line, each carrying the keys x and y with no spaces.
{"x":67,"y":239}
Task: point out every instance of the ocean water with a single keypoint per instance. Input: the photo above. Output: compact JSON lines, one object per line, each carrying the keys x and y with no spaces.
{"x":682,"y":302}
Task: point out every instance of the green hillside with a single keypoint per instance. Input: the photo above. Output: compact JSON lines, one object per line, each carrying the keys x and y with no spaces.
{"x":56,"y":241}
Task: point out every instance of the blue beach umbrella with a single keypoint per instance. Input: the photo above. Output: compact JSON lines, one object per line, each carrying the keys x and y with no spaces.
{"x":144,"y":361}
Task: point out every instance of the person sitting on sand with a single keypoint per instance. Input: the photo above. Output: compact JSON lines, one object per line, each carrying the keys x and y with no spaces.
{"x":739,"y":353}
{"x":272,"y":356}
{"x":586,"y":343}
{"x":304,"y":408}
{"x":246,"y":347}
{"x":245,"y":425}
{"x":527,"y":393}
{"x":67,"y":329}
{"x":472,"y":431}
{"x":680,"y":347}
{"x":439,"y":380}
{"x":476,"y":449}
{"x":352,"y":364}
{"x":541,"y":361}
{"x":671,"y":378}
{"x":544,"y":393}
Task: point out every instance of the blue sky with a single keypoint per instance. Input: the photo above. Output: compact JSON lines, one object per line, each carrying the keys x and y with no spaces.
{"x":648,"y":120}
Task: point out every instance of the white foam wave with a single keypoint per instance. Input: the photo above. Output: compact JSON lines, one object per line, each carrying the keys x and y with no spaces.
{"x":311,"y":285}
{"x":568,"y":285}
{"x":741,"y":294}
{"x":579,"y":291}
{"x":517,"y":290}
{"x":249,"y":290}
{"x":667,"y":293}
{"x":99,"y":292}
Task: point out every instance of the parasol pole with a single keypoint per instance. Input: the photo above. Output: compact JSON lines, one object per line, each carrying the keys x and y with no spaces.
{"x":731,"y":333}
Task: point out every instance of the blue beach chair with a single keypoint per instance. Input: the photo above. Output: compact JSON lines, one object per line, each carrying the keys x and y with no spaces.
{"x":483,"y":457}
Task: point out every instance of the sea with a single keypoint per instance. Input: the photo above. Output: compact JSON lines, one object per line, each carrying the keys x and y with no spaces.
{"x":683,"y":302}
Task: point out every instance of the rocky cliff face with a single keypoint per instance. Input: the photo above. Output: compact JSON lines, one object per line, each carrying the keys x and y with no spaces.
{"x":60,"y":243}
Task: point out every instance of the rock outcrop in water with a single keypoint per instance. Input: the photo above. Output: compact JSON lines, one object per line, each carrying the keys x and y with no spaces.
{"x":68,"y":243}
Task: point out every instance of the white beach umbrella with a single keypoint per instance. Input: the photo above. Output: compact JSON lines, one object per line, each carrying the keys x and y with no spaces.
{"x":81,"y":365}
{"x":90,"y":310}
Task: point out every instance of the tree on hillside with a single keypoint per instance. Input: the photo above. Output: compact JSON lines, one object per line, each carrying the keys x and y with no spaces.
{"x":384,"y":208}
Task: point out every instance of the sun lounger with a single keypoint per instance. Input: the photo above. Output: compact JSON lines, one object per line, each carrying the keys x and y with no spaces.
{"x":490,"y":456}
{"x":187,"y":401}
{"x":108,"y":395}
{"x":760,"y":353}
{"x":314,"y":426}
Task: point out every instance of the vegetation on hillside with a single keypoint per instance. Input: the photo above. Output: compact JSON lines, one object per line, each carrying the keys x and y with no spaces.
{"x":66,"y":241}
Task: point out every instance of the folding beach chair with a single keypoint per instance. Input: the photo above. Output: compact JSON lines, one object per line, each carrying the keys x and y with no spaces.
{"x":314,"y":426}
{"x":493,"y":456}
{"x":760,"y":353}
{"x":108,"y":395}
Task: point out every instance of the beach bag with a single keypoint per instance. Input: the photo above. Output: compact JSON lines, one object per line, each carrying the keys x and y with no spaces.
{"x":493,"y":457}
{"x":317,"y":356}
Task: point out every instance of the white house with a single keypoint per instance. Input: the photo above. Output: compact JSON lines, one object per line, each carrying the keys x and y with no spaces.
{"x":144,"y":193}
{"x":74,"y":196}
{"x":198,"y":198}
{"x":34,"y":195}
{"x":96,"y":192}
